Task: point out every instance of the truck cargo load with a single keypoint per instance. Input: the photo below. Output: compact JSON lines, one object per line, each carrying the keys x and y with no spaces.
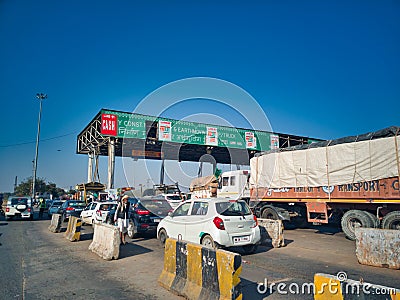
{"x":357,"y":176}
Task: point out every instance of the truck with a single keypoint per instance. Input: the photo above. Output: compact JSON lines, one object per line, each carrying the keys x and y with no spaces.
{"x":352,"y":181}
{"x":229,"y":184}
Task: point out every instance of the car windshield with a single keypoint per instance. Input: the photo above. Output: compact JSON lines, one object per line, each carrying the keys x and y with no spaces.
{"x":57,"y":204}
{"x":156,"y":206}
{"x":77,"y":204}
{"x":234,"y":208}
{"x":16,"y":201}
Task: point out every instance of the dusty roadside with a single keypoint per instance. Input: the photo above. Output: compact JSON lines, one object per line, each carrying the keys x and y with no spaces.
{"x":138,"y":266}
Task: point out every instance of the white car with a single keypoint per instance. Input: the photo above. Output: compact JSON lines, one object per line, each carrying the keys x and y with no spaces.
{"x":173,"y":199}
{"x":96,"y":212}
{"x":19,"y":207}
{"x":213,"y":223}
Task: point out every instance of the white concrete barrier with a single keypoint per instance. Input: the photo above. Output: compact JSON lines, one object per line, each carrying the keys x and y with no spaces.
{"x":106,"y":241}
{"x":274,"y":229}
{"x":378,"y":247}
{"x":55,"y":224}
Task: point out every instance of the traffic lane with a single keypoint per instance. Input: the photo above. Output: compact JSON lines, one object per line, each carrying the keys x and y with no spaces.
{"x":37,"y":270}
{"x":309,"y":251}
{"x":137,"y":269}
{"x":48,"y":266}
{"x":11,"y":264}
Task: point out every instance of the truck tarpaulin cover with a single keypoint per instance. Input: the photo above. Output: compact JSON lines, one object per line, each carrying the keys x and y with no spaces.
{"x":348,"y":160}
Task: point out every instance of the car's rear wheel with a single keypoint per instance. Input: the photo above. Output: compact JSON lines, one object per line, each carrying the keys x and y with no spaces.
{"x":162,"y":236}
{"x":132,"y":230}
{"x":208,"y":242}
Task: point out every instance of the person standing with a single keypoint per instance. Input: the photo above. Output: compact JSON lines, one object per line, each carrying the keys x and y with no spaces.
{"x":42,"y":206}
{"x":122,"y":217}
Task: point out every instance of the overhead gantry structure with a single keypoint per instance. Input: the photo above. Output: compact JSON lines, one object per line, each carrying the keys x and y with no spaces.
{"x":115,"y":133}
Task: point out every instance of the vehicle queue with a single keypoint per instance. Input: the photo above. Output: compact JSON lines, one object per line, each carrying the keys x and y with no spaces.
{"x":214,"y":223}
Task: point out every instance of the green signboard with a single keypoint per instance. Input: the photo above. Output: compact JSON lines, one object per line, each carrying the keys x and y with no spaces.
{"x":129,"y":125}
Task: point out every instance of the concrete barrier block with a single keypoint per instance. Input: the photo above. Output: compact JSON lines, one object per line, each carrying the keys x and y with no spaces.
{"x":106,"y":241}
{"x":73,"y":232}
{"x":229,"y":267}
{"x":69,"y":226}
{"x":55,"y":223}
{"x":378,"y":247}
{"x":197,"y":272}
{"x":338,"y":286}
{"x":274,"y":229}
{"x":168,"y":273}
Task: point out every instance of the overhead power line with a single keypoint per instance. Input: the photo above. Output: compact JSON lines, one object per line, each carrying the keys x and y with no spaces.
{"x":43,"y":140}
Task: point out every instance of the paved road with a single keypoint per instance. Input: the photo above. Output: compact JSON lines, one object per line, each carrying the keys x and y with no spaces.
{"x":38,"y":264}
{"x":309,"y":251}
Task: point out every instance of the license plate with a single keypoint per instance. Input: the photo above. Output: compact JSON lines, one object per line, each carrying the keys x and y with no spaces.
{"x":241,"y":239}
{"x":156,"y":220}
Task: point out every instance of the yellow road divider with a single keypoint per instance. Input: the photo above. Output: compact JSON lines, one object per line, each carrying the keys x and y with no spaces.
{"x":73,"y":232}
{"x":197,"y":272}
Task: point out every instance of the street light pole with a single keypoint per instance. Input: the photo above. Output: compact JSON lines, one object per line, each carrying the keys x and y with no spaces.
{"x":41,"y":97}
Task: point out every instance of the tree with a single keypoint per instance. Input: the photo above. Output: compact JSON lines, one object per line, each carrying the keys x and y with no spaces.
{"x":25,"y":188}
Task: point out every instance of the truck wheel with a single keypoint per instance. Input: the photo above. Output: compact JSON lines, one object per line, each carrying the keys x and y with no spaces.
{"x":353,"y":219}
{"x":391,"y":220}
{"x":269,"y":213}
{"x":375,"y":221}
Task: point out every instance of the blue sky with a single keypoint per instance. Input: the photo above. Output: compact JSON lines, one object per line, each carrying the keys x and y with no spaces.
{"x":323,"y":69}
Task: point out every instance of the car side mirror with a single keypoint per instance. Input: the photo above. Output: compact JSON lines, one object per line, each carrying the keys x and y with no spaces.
{"x":170,"y":214}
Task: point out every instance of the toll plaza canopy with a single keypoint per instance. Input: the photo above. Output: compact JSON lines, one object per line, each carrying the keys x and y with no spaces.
{"x":115,"y":133}
{"x":142,"y":136}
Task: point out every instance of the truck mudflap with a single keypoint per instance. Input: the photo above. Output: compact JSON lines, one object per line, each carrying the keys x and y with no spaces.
{"x":317,"y":212}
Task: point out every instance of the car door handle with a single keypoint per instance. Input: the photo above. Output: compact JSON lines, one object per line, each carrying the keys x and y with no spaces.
{"x":240,"y":226}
